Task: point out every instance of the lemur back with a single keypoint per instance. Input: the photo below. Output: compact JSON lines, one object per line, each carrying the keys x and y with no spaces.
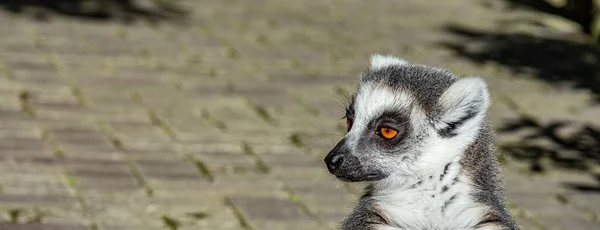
{"x":419,"y":137}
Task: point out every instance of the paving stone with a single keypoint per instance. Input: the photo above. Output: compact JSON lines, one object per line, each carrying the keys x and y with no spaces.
{"x":220,"y":163}
{"x":13,"y":115}
{"x":570,"y":223}
{"x":169,"y":170}
{"x":21,"y":144}
{"x":38,"y":78}
{"x":585,"y":200}
{"x":248,"y":185}
{"x":38,"y":66}
{"x":182,"y":188}
{"x":246,"y":107}
{"x":9,"y":226}
{"x":269,"y":209}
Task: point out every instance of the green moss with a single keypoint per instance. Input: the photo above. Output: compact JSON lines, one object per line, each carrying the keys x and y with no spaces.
{"x":562,"y":198}
{"x":159,"y":66}
{"x":10,"y":75}
{"x":78,"y":95}
{"x":38,"y":216}
{"x":198,"y":215}
{"x":110,"y":134}
{"x":211,"y":72}
{"x":71,"y":181}
{"x":231,"y":52}
{"x":297,"y":65}
{"x":145,"y":54}
{"x":52,"y":60}
{"x":260,"y":164}
{"x":298,"y":201}
{"x":501,"y":157}
{"x":57,"y":151}
{"x":45,"y":135}
{"x":293,"y":197}
{"x":14,"y":215}
{"x":94,"y":226}
{"x":212,"y":120}
{"x":116,"y":142}
{"x":238,"y":214}
{"x":160,"y":123}
{"x":139,"y":177}
{"x":170,"y":222}
{"x":262,"y":39}
{"x":296,"y":140}
{"x":136,"y":97}
{"x":261,"y":112}
{"x":204,"y":170}
{"x":25,"y":102}
{"x":154,"y":118}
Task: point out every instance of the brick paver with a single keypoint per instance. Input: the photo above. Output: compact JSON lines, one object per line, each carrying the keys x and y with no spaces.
{"x":222,"y":122}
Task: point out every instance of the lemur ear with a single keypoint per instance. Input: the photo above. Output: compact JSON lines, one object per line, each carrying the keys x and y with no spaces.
{"x":466,"y":100}
{"x":379,"y":61}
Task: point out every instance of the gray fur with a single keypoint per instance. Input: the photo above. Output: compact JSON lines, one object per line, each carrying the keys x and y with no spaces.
{"x":424,"y":82}
{"x":480,"y":160}
{"x":369,"y":158}
{"x":366,"y":215}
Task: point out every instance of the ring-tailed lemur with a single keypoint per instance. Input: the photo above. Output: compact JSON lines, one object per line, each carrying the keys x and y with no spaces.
{"x":419,"y":136}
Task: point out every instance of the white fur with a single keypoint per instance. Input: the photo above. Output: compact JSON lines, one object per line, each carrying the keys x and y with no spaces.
{"x":468,"y":92}
{"x":463,"y":94}
{"x":385,"y":227}
{"x":379,"y":61}
{"x":372,"y":98}
{"x":415,"y":208}
{"x":489,"y":227}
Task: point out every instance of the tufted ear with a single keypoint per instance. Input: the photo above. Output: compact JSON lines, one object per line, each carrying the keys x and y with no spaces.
{"x":462,"y":106}
{"x":379,"y":61}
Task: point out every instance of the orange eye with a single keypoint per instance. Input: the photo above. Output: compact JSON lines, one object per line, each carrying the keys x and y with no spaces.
{"x":348,"y":123}
{"x":388,"y":133}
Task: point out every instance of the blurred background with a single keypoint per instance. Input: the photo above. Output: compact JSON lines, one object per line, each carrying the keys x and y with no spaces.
{"x":216,"y":114}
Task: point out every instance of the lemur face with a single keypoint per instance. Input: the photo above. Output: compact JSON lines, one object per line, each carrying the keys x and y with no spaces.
{"x":405,"y":117}
{"x":384,"y":130}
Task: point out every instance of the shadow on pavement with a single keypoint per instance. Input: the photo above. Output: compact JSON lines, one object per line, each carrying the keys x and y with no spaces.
{"x":553,"y":60}
{"x":583,"y":187}
{"x":577,"y":150}
{"x":100,"y":10}
{"x":564,"y":144}
{"x":578,"y":11}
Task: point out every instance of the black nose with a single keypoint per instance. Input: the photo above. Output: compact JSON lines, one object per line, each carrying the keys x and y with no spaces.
{"x":333,"y":162}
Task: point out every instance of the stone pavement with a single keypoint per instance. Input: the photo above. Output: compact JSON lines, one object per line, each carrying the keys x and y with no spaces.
{"x":222,"y":122}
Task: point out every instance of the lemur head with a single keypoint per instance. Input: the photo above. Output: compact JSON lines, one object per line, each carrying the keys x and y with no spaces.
{"x":407,"y":118}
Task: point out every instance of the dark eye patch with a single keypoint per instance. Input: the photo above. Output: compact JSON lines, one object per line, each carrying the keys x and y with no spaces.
{"x":395,"y":119}
{"x":350,"y":112}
